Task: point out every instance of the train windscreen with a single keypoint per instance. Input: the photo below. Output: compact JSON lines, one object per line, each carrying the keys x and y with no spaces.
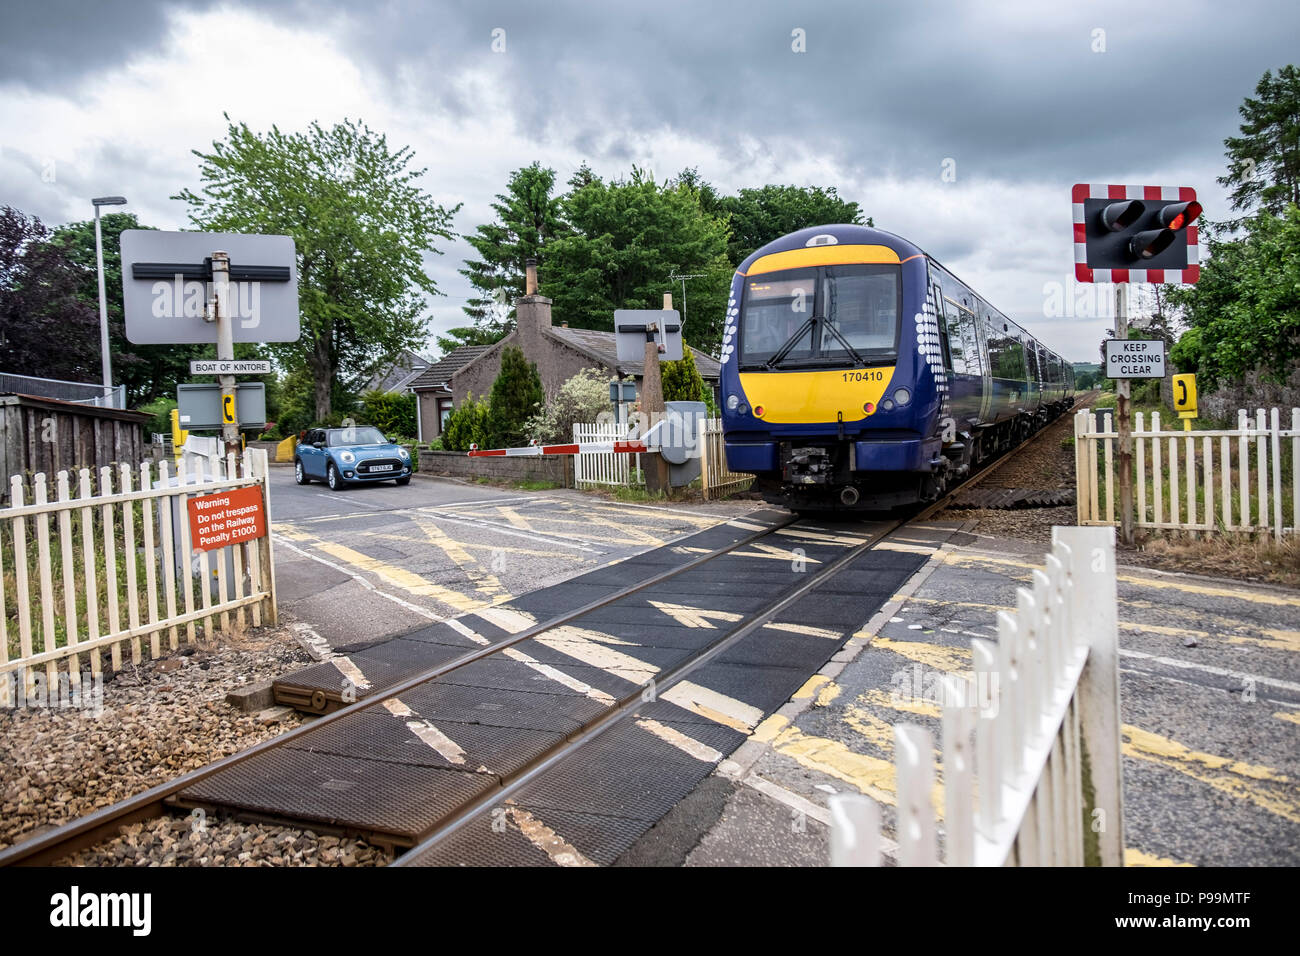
{"x":835,"y":315}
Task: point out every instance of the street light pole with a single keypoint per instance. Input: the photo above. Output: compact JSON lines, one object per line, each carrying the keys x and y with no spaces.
{"x":106,"y":358}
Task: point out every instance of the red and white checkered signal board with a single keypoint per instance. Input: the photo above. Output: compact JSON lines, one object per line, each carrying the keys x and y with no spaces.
{"x":1084,"y":273}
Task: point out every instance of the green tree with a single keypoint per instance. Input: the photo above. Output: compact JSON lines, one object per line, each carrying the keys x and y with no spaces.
{"x":628,"y":237}
{"x":147,"y":371}
{"x":1246,"y":308}
{"x":393,"y":413}
{"x":528,"y":218}
{"x":361,"y":225}
{"x":681,"y":380}
{"x":758,"y":216}
{"x":516,"y":397}
{"x":46,"y":328}
{"x":1264,"y":161}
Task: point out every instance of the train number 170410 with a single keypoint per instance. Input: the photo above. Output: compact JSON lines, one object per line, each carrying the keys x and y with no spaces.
{"x":868,"y":376}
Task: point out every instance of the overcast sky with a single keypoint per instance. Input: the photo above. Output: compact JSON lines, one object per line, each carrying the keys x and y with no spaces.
{"x":1019,"y":99}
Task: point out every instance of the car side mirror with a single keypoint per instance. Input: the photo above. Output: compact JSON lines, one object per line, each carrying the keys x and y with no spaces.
{"x":318,"y":444}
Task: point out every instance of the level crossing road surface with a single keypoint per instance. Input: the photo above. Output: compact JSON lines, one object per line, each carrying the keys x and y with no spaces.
{"x":1210,"y":713}
{"x":371,"y":562}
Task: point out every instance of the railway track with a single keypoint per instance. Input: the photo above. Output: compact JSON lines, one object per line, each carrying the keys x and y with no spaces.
{"x":589,"y":699}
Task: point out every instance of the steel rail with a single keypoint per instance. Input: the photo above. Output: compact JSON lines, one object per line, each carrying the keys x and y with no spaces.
{"x":85,"y":831}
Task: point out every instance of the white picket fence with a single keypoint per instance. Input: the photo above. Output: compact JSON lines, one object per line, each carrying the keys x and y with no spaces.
{"x":1031,"y":739}
{"x":71,"y":568}
{"x":716,"y":479}
{"x":594,"y":470}
{"x":1197,"y":481}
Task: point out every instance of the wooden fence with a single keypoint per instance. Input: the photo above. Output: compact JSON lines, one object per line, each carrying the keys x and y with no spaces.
{"x":1194,"y":481}
{"x":1031,"y":739}
{"x":71,"y":568}
{"x":716,"y":479}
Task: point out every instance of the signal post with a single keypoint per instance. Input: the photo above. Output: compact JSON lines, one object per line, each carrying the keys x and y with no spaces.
{"x":1125,"y":234}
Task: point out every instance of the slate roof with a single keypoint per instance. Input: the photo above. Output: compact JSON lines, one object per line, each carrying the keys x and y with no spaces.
{"x":396,"y":376}
{"x":602,"y":346}
{"x":440,"y":373}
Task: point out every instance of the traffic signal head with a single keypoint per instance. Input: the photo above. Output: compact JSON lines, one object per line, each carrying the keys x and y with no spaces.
{"x":1118,"y":216}
{"x":1135,"y":234}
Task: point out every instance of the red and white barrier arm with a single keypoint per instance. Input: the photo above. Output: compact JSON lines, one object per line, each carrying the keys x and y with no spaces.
{"x":583,"y":448}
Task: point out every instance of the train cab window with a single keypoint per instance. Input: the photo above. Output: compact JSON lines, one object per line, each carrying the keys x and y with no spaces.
{"x":808,"y":316}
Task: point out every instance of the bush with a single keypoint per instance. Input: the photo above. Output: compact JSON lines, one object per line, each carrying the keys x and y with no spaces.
{"x":583,"y":398}
{"x":161,"y":410}
{"x":467,"y":424}
{"x":516,"y":397}
{"x":393,"y":413}
{"x":681,"y":380}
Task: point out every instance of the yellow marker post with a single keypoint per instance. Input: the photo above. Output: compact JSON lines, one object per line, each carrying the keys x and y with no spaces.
{"x":178,"y":434}
{"x":1185,"y":399}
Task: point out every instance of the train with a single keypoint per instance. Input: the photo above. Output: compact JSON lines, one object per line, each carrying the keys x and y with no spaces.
{"x":859,"y":374}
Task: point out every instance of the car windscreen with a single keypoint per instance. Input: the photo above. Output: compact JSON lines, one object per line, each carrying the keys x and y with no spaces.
{"x":809,"y":316}
{"x":366,"y":435}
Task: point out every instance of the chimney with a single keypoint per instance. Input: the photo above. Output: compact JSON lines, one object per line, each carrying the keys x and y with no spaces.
{"x":532,"y":311}
{"x":668,"y":301}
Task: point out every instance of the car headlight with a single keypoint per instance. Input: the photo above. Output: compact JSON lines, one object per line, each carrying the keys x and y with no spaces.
{"x":403,"y":454}
{"x":347,"y":457}
{"x":733,"y":401}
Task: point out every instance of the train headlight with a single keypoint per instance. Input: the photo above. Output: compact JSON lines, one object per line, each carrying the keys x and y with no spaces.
{"x":887,"y":405}
{"x":902,"y":396}
{"x":869,"y":407}
{"x":733,"y":402}
{"x":758,"y":411}
{"x":742,"y":409}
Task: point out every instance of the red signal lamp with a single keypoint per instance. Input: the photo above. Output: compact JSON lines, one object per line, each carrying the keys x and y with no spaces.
{"x":869,"y":407}
{"x":1178,"y":215}
{"x":758,"y":411}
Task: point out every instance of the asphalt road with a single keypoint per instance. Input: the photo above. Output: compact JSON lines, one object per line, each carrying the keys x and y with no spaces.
{"x":372,"y":562}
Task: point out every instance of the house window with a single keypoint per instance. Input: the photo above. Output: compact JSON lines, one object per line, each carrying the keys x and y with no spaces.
{"x":444,"y":412}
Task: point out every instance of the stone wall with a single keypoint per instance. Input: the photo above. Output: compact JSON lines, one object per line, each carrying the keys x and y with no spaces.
{"x":1251,"y":394}
{"x":456,"y":464}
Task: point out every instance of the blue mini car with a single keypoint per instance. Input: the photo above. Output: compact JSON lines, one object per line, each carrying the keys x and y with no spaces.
{"x":341,"y":456}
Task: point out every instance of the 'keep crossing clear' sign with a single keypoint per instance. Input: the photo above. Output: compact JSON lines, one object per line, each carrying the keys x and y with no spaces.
{"x":1135,"y":358}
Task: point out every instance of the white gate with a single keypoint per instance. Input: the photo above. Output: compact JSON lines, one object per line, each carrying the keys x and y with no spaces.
{"x":1031,"y":739}
{"x":604,"y":469}
{"x":71,"y":569}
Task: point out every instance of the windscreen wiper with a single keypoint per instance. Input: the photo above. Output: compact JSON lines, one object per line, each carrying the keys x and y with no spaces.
{"x":845,"y":342}
{"x":790,"y":343}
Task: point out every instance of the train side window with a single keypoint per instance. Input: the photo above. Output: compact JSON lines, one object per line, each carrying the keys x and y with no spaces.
{"x":970,"y":343}
{"x":951,"y":336}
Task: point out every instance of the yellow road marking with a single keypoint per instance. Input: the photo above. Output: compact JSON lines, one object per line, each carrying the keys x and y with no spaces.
{"x":575,"y":642}
{"x":485,"y":583}
{"x":694,"y":616}
{"x":430,"y":735}
{"x":807,"y":629}
{"x":938,"y":656}
{"x":514,"y":518}
{"x":907,"y":705}
{"x":351,"y":671}
{"x":397,"y":577}
{"x":688,"y":745}
{"x":1135,"y":857}
{"x":546,"y":839}
{"x":715,"y":706}
{"x":811,"y":686}
{"x":1249,"y":782}
{"x":1292,"y":715}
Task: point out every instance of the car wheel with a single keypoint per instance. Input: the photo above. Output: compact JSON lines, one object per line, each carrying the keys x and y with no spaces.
{"x":332,"y":477}
{"x":299,"y":475}
{"x":404,"y":481}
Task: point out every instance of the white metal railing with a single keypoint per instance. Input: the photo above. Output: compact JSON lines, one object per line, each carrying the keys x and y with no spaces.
{"x":1197,"y":481}
{"x":1031,"y":739}
{"x":71,"y":568}
{"x":80,"y":393}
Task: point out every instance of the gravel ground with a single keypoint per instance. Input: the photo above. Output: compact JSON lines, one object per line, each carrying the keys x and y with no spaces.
{"x":159,"y":719}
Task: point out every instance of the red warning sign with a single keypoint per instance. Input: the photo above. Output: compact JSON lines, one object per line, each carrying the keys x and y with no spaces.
{"x":230,"y":517}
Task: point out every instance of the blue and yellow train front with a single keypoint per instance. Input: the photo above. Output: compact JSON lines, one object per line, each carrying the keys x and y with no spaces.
{"x":831,"y":379}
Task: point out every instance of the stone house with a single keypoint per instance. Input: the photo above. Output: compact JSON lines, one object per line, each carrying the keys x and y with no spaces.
{"x":559,"y":351}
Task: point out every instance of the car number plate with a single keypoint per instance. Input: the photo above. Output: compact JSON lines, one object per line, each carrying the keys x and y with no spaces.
{"x":382,"y":468}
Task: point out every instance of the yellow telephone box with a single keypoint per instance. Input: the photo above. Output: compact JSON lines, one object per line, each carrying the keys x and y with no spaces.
{"x":1185,"y":398}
